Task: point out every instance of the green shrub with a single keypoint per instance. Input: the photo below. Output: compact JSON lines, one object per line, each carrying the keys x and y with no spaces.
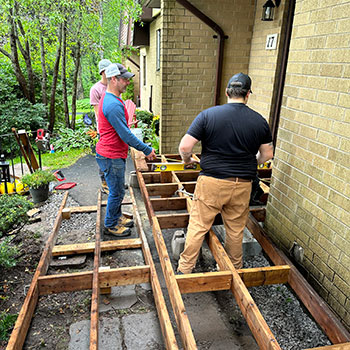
{"x":38,"y":178}
{"x":8,"y":253}
{"x":129,"y":93}
{"x":7,"y":321}
{"x":83,"y":105}
{"x":70,"y":139}
{"x":13,"y":212}
{"x":144,"y":117}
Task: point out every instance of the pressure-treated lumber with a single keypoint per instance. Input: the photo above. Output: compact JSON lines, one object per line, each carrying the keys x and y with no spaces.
{"x":20,"y":330}
{"x":84,"y":248}
{"x":71,"y":282}
{"x":173,"y":220}
{"x":317,"y":307}
{"x":95,"y":297}
{"x":163,"y":315}
{"x":250,"y":311}
{"x":181,"y":317}
{"x":165,"y":204}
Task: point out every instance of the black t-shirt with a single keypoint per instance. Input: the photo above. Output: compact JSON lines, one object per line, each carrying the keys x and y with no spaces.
{"x":231,"y":135}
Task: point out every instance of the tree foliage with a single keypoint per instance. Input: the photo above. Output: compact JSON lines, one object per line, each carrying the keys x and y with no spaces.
{"x":52,"y":45}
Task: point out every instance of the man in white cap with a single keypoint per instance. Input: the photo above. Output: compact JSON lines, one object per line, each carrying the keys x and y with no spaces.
{"x":96,"y":92}
{"x":112,"y":148}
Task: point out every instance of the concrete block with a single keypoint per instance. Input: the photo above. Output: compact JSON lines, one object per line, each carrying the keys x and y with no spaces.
{"x":122,"y":297}
{"x":109,"y":337}
{"x":142,"y":332}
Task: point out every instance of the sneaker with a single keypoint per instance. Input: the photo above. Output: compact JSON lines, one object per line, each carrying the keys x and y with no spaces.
{"x":104,"y":187}
{"x":118,"y":230}
{"x":123,"y":221}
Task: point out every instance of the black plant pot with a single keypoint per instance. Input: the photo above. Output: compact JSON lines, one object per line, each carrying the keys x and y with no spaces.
{"x":40,"y":194}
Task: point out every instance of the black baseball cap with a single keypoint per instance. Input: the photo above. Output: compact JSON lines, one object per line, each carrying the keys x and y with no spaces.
{"x":240,"y":80}
{"x":124,"y":73}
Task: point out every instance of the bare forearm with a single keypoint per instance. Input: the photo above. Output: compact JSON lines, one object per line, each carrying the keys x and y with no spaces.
{"x":265,"y":153}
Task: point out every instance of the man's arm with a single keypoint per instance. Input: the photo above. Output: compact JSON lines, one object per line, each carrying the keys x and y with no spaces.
{"x":265,"y":153}
{"x":96,"y":111}
{"x":185,"y":148}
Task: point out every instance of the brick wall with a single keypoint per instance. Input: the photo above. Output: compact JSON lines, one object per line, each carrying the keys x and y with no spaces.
{"x":189,"y":60}
{"x":153,"y":77}
{"x":310,"y":194}
{"x":264,"y":64}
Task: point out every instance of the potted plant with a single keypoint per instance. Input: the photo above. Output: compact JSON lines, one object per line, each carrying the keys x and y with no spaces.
{"x":38,"y":183}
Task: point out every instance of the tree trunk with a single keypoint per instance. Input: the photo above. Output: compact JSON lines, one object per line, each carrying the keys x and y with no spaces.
{"x":14,"y":58}
{"x":25,"y":51}
{"x":43,"y":70}
{"x":80,"y":88}
{"x":77,"y":58}
{"x":64,"y":76}
{"x":52,"y":114}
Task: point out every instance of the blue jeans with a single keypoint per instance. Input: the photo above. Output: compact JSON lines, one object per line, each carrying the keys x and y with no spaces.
{"x":114,"y":172}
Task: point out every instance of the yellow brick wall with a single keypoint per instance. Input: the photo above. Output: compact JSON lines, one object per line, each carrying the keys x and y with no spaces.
{"x":309,"y":199}
{"x":189,"y":60}
{"x":153,"y":77}
{"x":264,"y":64}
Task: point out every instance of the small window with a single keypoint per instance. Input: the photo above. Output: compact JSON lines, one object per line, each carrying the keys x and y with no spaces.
{"x":144,"y":70}
{"x":158,"y":50}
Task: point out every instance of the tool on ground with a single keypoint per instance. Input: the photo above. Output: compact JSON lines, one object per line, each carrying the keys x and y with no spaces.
{"x":65,"y":186}
{"x":59,"y":175}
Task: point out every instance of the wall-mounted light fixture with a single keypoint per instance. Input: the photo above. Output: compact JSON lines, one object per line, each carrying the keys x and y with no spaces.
{"x":268,"y":10}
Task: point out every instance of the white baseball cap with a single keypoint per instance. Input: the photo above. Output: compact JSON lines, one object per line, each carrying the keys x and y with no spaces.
{"x":112,"y":70}
{"x":103,"y":64}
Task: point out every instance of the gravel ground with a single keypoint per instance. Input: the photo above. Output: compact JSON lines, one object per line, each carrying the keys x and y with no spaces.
{"x":286,"y":316}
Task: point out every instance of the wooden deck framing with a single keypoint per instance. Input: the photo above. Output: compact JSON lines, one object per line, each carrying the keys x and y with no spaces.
{"x":170,"y":191}
{"x":98,"y":280}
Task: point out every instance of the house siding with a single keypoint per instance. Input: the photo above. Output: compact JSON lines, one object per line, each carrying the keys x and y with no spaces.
{"x":309,"y":198}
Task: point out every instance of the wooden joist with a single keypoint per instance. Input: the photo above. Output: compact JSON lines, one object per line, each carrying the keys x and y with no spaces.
{"x":221,"y":280}
{"x":173,"y":220}
{"x":165,"y":204}
{"x":317,"y":307}
{"x":71,"y":282}
{"x":344,"y":346}
{"x":24,"y":318}
{"x":163,"y":315}
{"x":84,"y":248}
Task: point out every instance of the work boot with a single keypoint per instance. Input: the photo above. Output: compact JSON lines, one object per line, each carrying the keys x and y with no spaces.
{"x":117,"y":230}
{"x":123,"y":221}
{"x":104,"y":187}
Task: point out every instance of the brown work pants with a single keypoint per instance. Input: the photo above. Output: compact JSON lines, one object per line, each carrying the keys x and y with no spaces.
{"x":213,"y":196}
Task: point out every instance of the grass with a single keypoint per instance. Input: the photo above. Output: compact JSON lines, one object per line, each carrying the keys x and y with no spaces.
{"x":59,"y":160}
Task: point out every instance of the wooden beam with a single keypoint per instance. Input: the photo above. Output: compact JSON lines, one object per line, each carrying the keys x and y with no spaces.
{"x":25,"y":315}
{"x":180,"y":314}
{"x":95,"y":297}
{"x":259,"y":276}
{"x":187,"y":175}
{"x":250,"y":311}
{"x":71,"y":282}
{"x":161,"y":189}
{"x":317,"y":307}
{"x":213,"y":281}
{"x":84,"y":248}
{"x":164,"y":204}
{"x":204,"y":282}
{"x":139,"y":160}
{"x":258,"y":213}
{"x":163,"y":315}
{"x":151,"y":177}
{"x":173,"y":220}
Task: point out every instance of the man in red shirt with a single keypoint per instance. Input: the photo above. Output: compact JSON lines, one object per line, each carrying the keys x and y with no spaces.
{"x":112,"y":148}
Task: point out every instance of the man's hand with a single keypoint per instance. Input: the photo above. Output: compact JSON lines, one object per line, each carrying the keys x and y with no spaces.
{"x":152,"y":155}
{"x":192,"y":164}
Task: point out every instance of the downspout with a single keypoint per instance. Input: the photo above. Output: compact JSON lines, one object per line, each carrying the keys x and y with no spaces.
{"x":222,"y":37}
{"x":275,"y":117}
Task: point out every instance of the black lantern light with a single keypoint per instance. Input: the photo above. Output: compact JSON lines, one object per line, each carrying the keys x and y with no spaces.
{"x":269,"y":9}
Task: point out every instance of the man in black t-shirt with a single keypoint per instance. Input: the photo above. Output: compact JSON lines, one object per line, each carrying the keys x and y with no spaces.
{"x":234,"y":140}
